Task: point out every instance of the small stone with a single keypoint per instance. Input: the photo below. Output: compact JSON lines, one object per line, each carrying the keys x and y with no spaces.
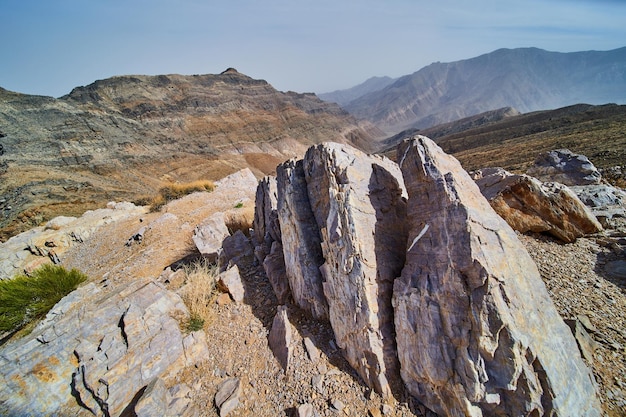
{"x":337,"y":405}
{"x":311,"y":350}
{"x":227,"y":397}
{"x":387,"y":410}
{"x":306,"y":410}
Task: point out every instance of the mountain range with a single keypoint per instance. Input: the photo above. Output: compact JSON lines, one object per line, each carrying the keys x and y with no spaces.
{"x":126,"y":136}
{"x":526,"y":79}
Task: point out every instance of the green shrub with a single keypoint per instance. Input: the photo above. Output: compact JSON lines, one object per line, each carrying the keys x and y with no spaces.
{"x":27,"y":298}
{"x":195,"y":323}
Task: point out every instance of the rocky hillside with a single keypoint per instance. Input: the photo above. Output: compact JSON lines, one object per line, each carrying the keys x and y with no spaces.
{"x":365,"y":287}
{"x":122,"y":137}
{"x":343,"y":97}
{"x":527,"y":79}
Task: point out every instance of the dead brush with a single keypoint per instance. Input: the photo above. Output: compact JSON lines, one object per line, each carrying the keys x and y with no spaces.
{"x":175,"y":191}
{"x":199,"y":292}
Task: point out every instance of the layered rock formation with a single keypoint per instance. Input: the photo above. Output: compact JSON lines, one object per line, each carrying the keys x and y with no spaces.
{"x":528,"y":205}
{"x":98,"y":349}
{"x":476,"y":330}
{"x":439,"y":289}
{"x":122,"y":137}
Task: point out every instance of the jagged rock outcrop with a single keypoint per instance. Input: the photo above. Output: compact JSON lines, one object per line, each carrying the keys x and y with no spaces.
{"x":341,"y":215}
{"x":477,"y":333}
{"x":268,"y":249}
{"x":566,"y":167}
{"x":359,"y":204}
{"x":301,"y":239}
{"x":282,"y":337}
{"x":97,"y":349}
{"x":528,"y":205}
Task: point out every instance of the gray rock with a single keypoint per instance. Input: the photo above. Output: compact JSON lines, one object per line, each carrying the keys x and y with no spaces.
{"x":300,"y":240}
{"x":281,"y":338}
{"x":98,"y":349}
{"x":586,"y":344}
{"x":605,"y":201}
{"x":311,"y":350}
{"x":306,"y":410}
{"x":529,"y":205}
{"x":566,"y":167}
{"x":227,"y":397}
{"x":359,"y":205}
{"x":154,"y":400}
{"x":476,"y":331}
{"x":266,"y":226}
{"x":616,"y":269}
{"x":235,"y":250}
{"x":230,"y":281}
{"x":274,"y":267}
{"x":209,"y":235}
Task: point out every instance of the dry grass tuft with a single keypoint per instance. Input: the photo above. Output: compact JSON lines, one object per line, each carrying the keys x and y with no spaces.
{"x":199,"y":292}
{"x":175,"y":191}
{"x":241,"y":219}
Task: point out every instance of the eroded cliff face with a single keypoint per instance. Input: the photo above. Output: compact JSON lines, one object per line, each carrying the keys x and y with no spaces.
{"x":120,"y":138}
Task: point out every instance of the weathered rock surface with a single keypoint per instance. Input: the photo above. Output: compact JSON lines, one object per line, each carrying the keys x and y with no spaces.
{"x":477,"y":333}
{"x":97,"y":350}
{"x":58,"y":235}
{"x":566,"y":167}
{"x":209,"y":235}
{"x":360,"y":209}
{"x":529,"y":205}
{"x":281,"y":338}
{"x":227,"y":397}
{"x":230,"y":281}
{"x":236,"y":248}
{"x":300,"y":240}
{"x":606,"y":202}
{"x":268,"y":249}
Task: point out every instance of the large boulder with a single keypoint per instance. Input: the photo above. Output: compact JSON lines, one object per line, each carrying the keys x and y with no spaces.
{"x":528,"y":205}
{"x":97,"y":349}
{"x":300,"y":240}
{"x":566,"y":167}
{"x":359,"y":204}
{"x":606,"y":202}
{"x":477,"y":333}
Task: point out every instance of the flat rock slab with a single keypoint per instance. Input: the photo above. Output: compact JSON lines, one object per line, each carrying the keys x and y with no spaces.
{"x":98,"y":348}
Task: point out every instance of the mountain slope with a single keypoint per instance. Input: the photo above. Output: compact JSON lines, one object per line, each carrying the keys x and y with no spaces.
{"x":122,"y":137}
{"x":514,"y":141}
{"x":343,"y":97}
{"x":527,"y":79}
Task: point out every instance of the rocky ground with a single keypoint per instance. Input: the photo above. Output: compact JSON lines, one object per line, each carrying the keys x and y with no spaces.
{"x":585,"y":278}
{"x":575,"y":275}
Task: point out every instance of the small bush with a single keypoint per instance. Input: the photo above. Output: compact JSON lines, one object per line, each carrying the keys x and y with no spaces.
{"x":239,"y":205}
{"x":201,"y":282}
{"x":24,"y":299}
{"x":175,"y":191}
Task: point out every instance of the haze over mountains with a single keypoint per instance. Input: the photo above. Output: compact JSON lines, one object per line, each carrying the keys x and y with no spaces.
{"x":526,"y":79}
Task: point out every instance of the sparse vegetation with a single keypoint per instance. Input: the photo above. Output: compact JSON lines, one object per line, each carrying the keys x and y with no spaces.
{"x":175,"y":191}
{"x":240,"y":220}
{"x":28,"y":298}
{"x":239,"y":205}
{"x":199,"y":291}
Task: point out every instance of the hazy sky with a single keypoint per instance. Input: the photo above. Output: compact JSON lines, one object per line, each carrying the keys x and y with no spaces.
{"x":48,"y":47}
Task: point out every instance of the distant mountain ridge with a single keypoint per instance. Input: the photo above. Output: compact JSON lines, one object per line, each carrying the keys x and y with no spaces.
{"x":343,"y":97}
{"x":122,"y":137}
{"x":526,"y":79}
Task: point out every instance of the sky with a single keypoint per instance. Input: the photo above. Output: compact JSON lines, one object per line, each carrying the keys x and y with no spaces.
{"x":48,"y":47}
